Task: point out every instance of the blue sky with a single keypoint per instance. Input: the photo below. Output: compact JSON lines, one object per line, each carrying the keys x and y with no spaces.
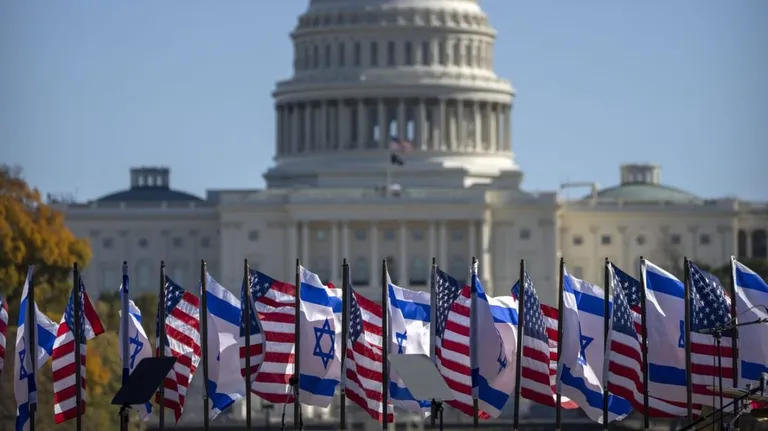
{"x":89,"y":89}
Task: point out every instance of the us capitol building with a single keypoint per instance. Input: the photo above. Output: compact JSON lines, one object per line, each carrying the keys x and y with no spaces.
{"x":366,"y":71}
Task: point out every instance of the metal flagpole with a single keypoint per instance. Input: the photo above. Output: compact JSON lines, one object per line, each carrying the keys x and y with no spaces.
{"x":384,"y":345}
{"x":247,"y":323}
{"x":473,"y":341}
{"x":433,"y":334}
{"x":558,"y":395}
{"x":520,"y":332}
{"x":124,"y":294}
{"x":160,"y":342}
{"x":77,"y":297}
{"x":31,"y":327}
{"x":204,"y":343}
{"x":297,"y":354}
{"x":734,"y":338}
{"x":344,"y":335}
{"x":687,"y":336}
{"x":606,"y":328}
{"x":644,"y":346}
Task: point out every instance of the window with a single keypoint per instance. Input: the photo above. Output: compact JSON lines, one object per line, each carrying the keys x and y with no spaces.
{"x":605,"y":240}
{"x":394,"y":273}
{"x":457,"y":234}
{"x":143,"y":270}
{"x":578,"y":240}
{"x":307,"y":58}
{"x":253,"y":235}
{"x":321,"y":234}
{"x":525,"y":234}
{"x":418,"y":271}
{"x":109,"y":276}
{"x":759,"y":244}
{"x":704,"y":239}
{"x":316,"y":57}
{"x":458,"y":268}
{"x":391,"y":54}
{"x":357,"y":54}
{"x":322,"y":268}
{"x":374,"y":54}
{"x":456,"y":53}
{"x":409,"y":54}
{"x":178,"y":242}
{"x":640,"y":240}
{"x":179,"y":273}
{"x":417,"y":234}
{"x":107,"y":243}
{"x":360,"y":271}
{"x":143,"y":243}
{"x":425,"y":53}
{"x":468,"y":59}
{"x":675,"y":239}
{"x":327,"y":56}
{"x":389,"y":234}
{"x":205,"y":242}
{"x":360,"y":234}
{"x":577,"y":272}
{"x":341,"y":53}
{"x":441,"y":53}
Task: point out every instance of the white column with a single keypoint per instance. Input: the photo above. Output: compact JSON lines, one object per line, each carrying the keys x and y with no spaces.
{"x":373,"y":234}
{"x":322,"y":127}
{"x":443,"y":248}
{"x":485,"y":252}
{"x":305,"y":243}
{"x":292,"y":231}
{"x":403,"y":259}
{"x":341,"y":126}
{"x":362,"y":115}
{"x":440,"y":136}
{"x":335,"y":261}
{"x":461,"y":140}
{"x":421,"y":125}
{"x":345,"y":240}
{"x":472,"y":239}
{"x":402,"y":132}
{"x":478,"y":126}
{"x":307,"y":126}
{"x":383,"y":126}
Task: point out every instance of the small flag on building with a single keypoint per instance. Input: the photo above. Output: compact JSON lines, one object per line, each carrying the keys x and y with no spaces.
{"x":398,"y":145}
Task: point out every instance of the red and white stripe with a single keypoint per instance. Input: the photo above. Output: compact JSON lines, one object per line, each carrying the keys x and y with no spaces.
{"x":453,"y":355}
{"x":182,"y":330}
{"x":364,"y":368}
{"x":550,"y":319}
{"x":3,"y":331}
{"x":63,"y":363}
{"x":277,"y":314}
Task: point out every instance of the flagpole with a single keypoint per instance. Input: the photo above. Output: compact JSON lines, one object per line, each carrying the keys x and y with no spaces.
{"x":204,"y":342}
{"x":297,"y":354}
{"x":687,"y":337}
{"x":160,"y":343}
{"x":31,"y":327}
{"x":247,"y":318}
{"x":734,"y":337}
{"x":520,"y":331}
{"x":558,"y":395}
{"x":606,"y":327}
{"x":384,"y":345}
{"x":77,"y":296}
{"x":433,"y":333}
{"x":344,"y":335}
{"x":644,"y":345}
{"x":125,"y":418}
{"x":473,"y":341}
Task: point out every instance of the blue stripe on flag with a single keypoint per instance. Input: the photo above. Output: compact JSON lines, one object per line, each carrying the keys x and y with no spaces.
{"x":504,"y":315}
{"x":320,"y":296}
{"x":223,"y":309}
{"x":317,"y":386}
{"x":663,"y":284}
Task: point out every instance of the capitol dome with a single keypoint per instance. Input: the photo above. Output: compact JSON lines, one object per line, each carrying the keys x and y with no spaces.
{"x":367,"y":73}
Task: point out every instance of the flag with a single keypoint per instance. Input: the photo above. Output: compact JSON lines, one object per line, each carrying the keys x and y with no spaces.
{"x":255,"y":337}
{"x":409,"y":334}
{"x":364,"y":361}
{"x":182,"y":341}
{"x":320,"y":325}
{"x":24,"y":380}
{"x":275,"y":303}
{"x":225,"y":384}
{"x":3,"y":330}
{"x":583,"y":351}
{"x":452,"y":333}
{"x":709,"y":309}
{"x":550,"y":321}
{"x":63,"y":365}
{"x":751,"y":297}
{"x":138,"y":348}
{"x":624,"y":355}
{"x":398,"y":145}
{"x":494,"y":344}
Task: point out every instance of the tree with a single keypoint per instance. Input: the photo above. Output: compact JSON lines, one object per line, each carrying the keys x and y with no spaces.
{"x":32,"y":232}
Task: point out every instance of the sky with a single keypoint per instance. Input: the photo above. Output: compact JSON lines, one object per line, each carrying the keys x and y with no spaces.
{"x":90,"y":89}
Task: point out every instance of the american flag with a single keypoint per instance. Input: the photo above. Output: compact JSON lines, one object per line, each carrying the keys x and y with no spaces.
{"x":550,"y":320}
{"x":539,"y":350}
{"x":256,"y":339}
{"x":709,"y":309}
{"x":452,"y":347}
{"x":364,"y":370}
{"x":275,"y":304}
{"x":63,"y":356}
{"x":400,"y":145}
{"x":625,"y":360}
{"x":3,"y":330}
{"x":182,"y":341}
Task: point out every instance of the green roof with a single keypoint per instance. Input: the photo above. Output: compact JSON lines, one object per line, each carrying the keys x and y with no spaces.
{"x":644,"y":192}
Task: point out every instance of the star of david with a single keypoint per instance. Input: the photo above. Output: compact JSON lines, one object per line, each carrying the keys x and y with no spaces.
{"x":22,"y":370}
{"x":138,"y":346}
{"x":584,"y":341}
{"x":502,"y":359}
{"x":681,"y":340}
{"x":318,"y":351}
{"x":401,"y":338}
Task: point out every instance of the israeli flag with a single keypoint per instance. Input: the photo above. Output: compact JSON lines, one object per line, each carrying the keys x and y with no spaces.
{"x":409,"y":334}
{"x":320,"y":326}
{"x":751,"y":297}
{"x":225,"y":383}
{"x":24,"y":379}
{"x":138,"y":348}
{"x":583,"y":351}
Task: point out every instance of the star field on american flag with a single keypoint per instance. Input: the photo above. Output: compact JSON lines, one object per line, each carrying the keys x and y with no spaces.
{"x":173,"y":294}
{"x":257,"y":290}
{"x":448,"y":289}
{"x":709,"y":308}
{"x":355,"y":319}
{"x":69,"y":313}
{"x":628,"y":284}
{"x":533,"y":324}
{"x":622,"y":316}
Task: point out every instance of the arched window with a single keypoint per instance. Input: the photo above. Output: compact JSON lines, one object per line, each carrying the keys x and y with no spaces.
{"x":417,"y":273}
{"x":360,"y":271}
{"x":742,"y":244}
{"x":759,"y":244}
